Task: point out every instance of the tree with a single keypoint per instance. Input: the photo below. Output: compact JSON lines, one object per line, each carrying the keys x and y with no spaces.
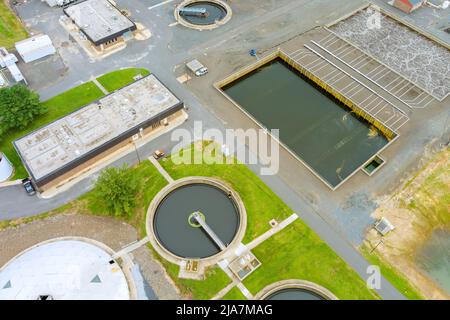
{"x":18,"y":107}
{"x":116,"y":190}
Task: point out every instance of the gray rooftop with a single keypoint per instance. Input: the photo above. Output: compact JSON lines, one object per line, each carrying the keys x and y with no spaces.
{"x":99,"y":19}
{"x":48,"y":149}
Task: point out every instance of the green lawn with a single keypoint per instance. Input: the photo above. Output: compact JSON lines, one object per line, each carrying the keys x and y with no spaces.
{"x":120,"y":78}
{"x":261,"y":203}
{"x":11,"y":29}
{"x":58,"y":107}
{"x":215,"y":280}
{"x":298,"y":253}
{"x":234,"y":294}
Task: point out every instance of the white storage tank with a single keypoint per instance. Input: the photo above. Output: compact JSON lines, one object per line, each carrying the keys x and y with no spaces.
{"x":6,"y":168}
{"x":34,"y":48}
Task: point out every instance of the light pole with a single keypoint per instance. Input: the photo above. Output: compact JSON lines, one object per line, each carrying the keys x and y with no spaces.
{"x":135,"y":139}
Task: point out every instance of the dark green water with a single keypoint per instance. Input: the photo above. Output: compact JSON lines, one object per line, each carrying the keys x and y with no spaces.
{"x":172,"y":227}
{"x":434,"y":258}
{"x":294,"y":294}
{"x":215,"y":13}
{"x":315,"y":126}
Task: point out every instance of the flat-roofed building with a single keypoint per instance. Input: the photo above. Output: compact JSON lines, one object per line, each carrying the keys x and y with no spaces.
{"x":100,"y":21}
{"x":408,"y":6}
{"x":61,"y":149}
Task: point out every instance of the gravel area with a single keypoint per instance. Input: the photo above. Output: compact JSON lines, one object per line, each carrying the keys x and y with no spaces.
{"x":155,"y":275}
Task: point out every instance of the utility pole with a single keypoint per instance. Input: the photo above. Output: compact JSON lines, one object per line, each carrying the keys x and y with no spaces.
{"x":135,"y":139}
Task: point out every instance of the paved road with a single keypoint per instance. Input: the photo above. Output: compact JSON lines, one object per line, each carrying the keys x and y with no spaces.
{"x":169,"y":47}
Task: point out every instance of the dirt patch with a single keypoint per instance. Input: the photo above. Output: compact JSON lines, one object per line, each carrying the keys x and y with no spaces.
{"x":419,"y":208}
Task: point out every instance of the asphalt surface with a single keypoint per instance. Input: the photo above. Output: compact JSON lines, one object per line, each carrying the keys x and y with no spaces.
{"x":170,"y":47}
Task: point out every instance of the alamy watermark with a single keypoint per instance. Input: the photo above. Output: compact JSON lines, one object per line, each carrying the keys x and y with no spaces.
{"x":250,"y":147}
{"x":374,"y":277}
{"x":374,"y":20}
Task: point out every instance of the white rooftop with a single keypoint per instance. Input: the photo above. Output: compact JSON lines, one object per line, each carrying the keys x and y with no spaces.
{"x":64,"y":270}
{"x":99,"y":19}
{"x":33,"y":44}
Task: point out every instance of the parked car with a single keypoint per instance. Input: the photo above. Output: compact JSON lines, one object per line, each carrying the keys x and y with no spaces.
{"x":158,"y":154}
{"x":28,"y":186}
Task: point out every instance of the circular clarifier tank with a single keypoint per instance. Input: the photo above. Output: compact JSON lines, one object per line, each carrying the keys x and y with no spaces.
{"x":203,"y":15}
{"x":179,"y":233}
{"x":295,"y":290}
{"x":176,"y":229}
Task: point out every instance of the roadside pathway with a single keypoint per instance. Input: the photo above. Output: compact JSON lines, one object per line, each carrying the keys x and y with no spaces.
{"x":130,"y":248}
{"x":99,"y":85}
{"x":161,"y":169}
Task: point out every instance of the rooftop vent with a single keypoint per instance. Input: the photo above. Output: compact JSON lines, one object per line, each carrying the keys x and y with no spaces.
{"x":96,"y":279}
{"x":7,"y":285}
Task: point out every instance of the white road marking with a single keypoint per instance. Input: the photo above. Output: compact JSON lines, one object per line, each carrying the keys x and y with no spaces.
{"x":160,"y":4}
{"x":173,"y":24}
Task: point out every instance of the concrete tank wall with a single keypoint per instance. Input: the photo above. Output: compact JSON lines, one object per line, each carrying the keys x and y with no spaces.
{"x":6,"y":168}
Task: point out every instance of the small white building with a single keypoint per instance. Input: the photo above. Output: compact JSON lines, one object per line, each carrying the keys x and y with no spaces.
{"x":35,"y":48}
{"x":9,"y":60}
{"x":6,"y":168}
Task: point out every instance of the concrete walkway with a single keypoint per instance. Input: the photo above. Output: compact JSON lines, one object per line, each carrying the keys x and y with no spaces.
{"x":99,"y":85}
{"x":256,"y":242}
{"x":236,"y":282}
{"x":130,"y":248}
{"x":161,"y":169}
{"x":224,"y":291}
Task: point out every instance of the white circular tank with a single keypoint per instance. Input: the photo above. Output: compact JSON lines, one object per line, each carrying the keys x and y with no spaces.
{"x":6,"y":168}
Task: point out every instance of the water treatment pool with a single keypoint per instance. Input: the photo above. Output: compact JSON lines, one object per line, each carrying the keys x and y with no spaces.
{"x":178,"y":235}
{"x":214,"y":12}
{"x":316,"y":127}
